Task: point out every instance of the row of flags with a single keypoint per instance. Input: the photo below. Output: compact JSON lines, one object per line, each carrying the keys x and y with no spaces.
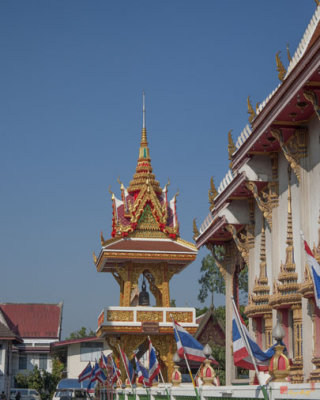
{"x":101,"y":371}
{"x":246,"y":352}
{"x":106,"y":369}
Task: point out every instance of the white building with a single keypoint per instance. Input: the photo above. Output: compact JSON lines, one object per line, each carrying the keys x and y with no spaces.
{"x":26,"y":333}
{"x":76,"y":353}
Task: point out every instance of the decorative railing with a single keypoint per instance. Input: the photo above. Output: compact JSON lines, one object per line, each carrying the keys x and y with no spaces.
{"x":276,"y":390}
{"x":136,"y":316}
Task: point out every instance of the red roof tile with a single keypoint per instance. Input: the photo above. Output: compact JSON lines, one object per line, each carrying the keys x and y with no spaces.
{"x":33,"y":320}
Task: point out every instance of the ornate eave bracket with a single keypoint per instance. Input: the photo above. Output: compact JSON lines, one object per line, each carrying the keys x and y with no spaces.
{"x":225,"y":262}
{"x":311,"y":96}
{"x":266,"y":200}
{"x":245,"y":242}
{"x":294,"y":149}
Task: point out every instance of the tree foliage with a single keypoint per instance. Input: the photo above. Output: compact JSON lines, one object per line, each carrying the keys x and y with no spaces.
{"x":81,"y":333}
{"x":212,"y":281}
{"x":44,"y":382}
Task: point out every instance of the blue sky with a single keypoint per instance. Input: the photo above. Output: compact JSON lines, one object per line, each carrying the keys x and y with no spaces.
{"x":71,"y":78}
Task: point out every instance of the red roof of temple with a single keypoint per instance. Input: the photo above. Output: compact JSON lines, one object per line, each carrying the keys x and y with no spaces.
{"x":33,"y":320}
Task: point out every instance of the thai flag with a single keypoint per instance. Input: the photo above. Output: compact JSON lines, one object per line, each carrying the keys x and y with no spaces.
{"x":128,"y":366}
{"x":241,"y":355}
{"x":86,"y":373}
{"x":115,"y":371}
{"x":98,"y":374}
{"x":154,"y":367}
{"x":142,"y":372}
{"x":314,"y":268}
{"x":104,"y":361}
{"x":188,"y":345}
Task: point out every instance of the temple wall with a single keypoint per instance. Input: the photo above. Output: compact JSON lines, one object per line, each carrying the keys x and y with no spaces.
{"x":305,"y":217}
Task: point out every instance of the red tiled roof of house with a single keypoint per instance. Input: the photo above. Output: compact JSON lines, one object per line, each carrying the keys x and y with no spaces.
{"x":33,"y":320}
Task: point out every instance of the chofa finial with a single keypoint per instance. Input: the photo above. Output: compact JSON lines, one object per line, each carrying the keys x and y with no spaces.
{"x":280,"y":68}
{"x":212,"y":193}
{"x":251,"y":111}
{"x":196,"y":232}
{"x":231,"y":147}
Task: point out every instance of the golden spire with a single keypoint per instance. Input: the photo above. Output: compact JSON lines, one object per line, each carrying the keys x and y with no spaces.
{"x":231,"y":147}
{"x":263,"y":251}
{"x":212,"y":193}
{"x":289,"y":226}
{"x":280,"y":68}
{"x":143,"y":169}
{"x":288,"y":54}
{"x":251,"y":112}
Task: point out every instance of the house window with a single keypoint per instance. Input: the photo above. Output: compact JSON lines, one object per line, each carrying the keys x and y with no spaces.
{"x":22,"y":361}
{"x":1,"y":353}
{"x":43,"y":362}
{"x":90,"y":351}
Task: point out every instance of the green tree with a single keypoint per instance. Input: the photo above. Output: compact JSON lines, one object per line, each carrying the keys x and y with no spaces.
{"x":212,"y":281}
{"x":173,"y":303}
{"x":81,"y":333}
{"x":44,"y":382}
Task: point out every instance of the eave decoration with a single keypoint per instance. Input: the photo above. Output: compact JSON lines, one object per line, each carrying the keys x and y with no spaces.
{"x":244,"y":241}
{"x":212,"y":194}
{"x":311,"y":96}
{"x":231,"y":147}
{"x":251,"y":111}
{"x":280,"y":68}
{"x":294,"y":149}
{"x":265,"y":200}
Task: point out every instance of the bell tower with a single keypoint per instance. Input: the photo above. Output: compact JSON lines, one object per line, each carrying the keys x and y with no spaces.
{"x":145,"y":242}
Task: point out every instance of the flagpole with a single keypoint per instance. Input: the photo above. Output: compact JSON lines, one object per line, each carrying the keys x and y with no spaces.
{"x":115,"y":368}
{"x":244,"y":336}
{"x":127,"y":373}
{"x":184,"y":354}
{"x":161,"y":376}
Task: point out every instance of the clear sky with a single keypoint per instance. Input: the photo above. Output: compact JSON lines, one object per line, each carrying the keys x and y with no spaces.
{"x":71,"y":78}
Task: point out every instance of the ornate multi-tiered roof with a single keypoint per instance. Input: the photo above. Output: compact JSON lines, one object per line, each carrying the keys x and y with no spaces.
{"x":144,"y":222}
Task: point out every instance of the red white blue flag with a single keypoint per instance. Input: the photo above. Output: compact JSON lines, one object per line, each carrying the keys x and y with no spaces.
{"x":188,"y":345}
{"x":86,"y":373}
{"x":128,"y":366}
{"x":98,"y":374}
{"x":142,"y":372}
{"x":241,"y":354}
{"x":116,"y":373}
{"x":314,"y":268}
{"x":154,"y":367}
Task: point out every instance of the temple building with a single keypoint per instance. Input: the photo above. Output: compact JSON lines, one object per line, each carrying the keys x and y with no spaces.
{"x":145,"y":243}
{"x":270,"y":194}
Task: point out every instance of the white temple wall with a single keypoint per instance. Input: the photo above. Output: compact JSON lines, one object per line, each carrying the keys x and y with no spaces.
{"x":313,"y":168}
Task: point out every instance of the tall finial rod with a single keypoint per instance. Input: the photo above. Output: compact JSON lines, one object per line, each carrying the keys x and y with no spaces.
{"x":143,"y":110}
{"x":144,"y":129}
